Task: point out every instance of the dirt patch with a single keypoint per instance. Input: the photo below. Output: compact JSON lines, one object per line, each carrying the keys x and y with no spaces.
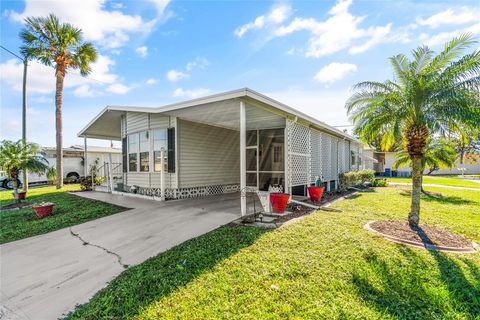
{"x":15,"y":206}
{"x":422,"y":235}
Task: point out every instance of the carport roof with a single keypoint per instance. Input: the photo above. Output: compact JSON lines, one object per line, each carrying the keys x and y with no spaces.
{"x":106,"y":125}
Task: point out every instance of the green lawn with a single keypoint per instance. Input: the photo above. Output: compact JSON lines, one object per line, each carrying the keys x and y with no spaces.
{"x":326,"y":266}
{"x":443,"y":180}
{"x":69,"y":210}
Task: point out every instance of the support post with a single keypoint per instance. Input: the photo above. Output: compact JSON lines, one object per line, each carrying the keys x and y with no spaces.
{"x":243,"y":160}
{"x":24,"y":119}
{"x":110,"y":173}
{"x":85,"y":157}
{"x":162,"y":174}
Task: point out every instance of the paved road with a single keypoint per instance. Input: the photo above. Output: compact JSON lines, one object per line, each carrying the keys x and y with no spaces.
{"x":45,"y":276}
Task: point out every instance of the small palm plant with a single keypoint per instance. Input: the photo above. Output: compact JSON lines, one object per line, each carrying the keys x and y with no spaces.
{"x":438,"y":153}
{"x":429,"y":95}
{"x":15,"y":157}
{"x":52,"y":175}
{"x":59,"y":45}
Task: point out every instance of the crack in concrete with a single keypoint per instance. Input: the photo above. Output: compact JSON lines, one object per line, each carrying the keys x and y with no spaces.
{"x":86,"y":243}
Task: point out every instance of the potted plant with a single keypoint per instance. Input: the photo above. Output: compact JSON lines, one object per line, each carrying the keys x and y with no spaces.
{"x":279,"y":201}
{"x":18,"y":156}
{"x":20,"y":195}
{"x":43,"y":209}
{"x":316,"y":191}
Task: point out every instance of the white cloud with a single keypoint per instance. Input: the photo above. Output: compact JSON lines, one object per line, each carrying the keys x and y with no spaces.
{"x":461,"y":16}
{"x":339,"y":31}
{"x":109,"y":28}
{"x":41,"y":79}
{"x":192,"y":93}
{"x":84,"y":91}
{"x":327,"y":105}
{"x":199,"y":62}
{"x":160,"y":5}
{"x":175,"y":75}
{"x":275,"y":16}
{"x":334,"y":71}
{"x":41,"y":99}
{"x":151,"y":81}
{"x":142,"y":51}
{"x":118,"y":88}
{"x":443,"y":37}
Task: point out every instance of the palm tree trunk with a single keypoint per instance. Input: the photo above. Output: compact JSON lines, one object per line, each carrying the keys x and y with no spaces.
{"x":414,"y":215}
{"x":15,"y":189}
{"x":58,"y":126}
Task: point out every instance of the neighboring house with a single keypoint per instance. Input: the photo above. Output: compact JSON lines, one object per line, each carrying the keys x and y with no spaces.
{"x":234,"y":141}
{"x":385,"y":161}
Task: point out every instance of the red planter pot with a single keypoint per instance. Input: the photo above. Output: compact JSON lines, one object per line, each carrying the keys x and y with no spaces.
{"x":43,"y":211}
{"x":279,"y":201}
{"x":21,"y":195}
{"x":315,"y":193}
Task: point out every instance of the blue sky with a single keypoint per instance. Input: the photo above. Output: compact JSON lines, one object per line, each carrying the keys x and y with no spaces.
{"x":306,"y":54}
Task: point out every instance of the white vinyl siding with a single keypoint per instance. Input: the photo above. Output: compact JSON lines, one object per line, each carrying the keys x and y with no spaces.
{"x":136,"y":122}
{"x":207,"y":155}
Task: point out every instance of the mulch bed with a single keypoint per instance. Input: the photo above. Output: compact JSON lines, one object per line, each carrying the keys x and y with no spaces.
{"x":15,"y":206}
{"x":423,"y":235}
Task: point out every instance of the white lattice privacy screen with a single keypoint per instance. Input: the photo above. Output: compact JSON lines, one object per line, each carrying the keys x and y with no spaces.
{"x":314,"y":153}
{"x":298,"y":144}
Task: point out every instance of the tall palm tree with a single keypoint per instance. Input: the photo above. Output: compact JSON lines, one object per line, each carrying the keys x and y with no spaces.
{"x":16,"y":157}
{"x":59,"y":45}
{"x":428,"y":95}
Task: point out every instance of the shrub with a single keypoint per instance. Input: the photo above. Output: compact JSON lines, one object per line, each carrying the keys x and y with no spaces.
{"x":86,"y":182}
{"x":353,"y":178}
{"x":380,"y":183}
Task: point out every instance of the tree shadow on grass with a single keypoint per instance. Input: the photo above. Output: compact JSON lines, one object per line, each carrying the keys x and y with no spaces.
{"x":440,"y":198}
{"x":69,"y":210}
{"x":160,"y":276}
{"x":403,"y":289}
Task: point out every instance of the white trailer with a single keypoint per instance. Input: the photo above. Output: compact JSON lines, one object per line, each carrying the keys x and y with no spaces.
{"x":73,"y":163}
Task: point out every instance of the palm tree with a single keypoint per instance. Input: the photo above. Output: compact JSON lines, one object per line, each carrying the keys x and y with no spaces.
{"x":16,"y":156}
{"x":428,"y":95}
{"x":438,"y":153}
{"x":59,"y":45}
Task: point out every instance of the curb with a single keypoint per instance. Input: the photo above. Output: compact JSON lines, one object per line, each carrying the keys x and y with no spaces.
{"x":473,"y":249}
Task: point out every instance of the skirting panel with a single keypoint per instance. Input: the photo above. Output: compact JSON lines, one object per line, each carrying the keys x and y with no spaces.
{"x":184,"y":193}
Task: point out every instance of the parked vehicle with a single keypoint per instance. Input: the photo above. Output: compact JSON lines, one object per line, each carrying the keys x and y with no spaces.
{"x":73,"y":161}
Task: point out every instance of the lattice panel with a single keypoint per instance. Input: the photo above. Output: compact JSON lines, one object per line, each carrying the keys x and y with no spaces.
{"x":316,"y":156}
{"x":343,"y":156}
{"x":326,"y":157}
{"x":298,"y":145}
{"x":334,"y":157}
{"x":184,"y":193}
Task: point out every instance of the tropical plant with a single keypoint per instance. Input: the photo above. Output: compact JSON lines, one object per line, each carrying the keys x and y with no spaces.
{"x":16,"y":156}
{"x":427,"y":95}
{"x":438,"y":153}
{"x":59,"y":45}
{"x":52,"y":175}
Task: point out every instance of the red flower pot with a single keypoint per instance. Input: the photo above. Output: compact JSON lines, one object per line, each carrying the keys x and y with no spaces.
{"x":279,"y":201}
{"x":43,"y":211}
{"x":21,"y":195}
{"x":315,"y":193}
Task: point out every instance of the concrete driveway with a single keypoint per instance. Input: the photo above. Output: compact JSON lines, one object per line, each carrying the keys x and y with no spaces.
{"x":45,"y":276}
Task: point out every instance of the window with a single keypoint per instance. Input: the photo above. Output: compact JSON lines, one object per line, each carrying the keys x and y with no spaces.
{"x":159,"y":141}
{"x":132,"y":152}
{"x":132,"y":162}
{"x":354,"y":158}
{"x":144,"y":161}
{"x":277,"y":153}
{"x":144,"y":145}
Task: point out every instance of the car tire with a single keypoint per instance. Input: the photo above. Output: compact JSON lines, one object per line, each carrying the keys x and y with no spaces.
{"x":8,"y":184}
{"x":74,"y":176}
